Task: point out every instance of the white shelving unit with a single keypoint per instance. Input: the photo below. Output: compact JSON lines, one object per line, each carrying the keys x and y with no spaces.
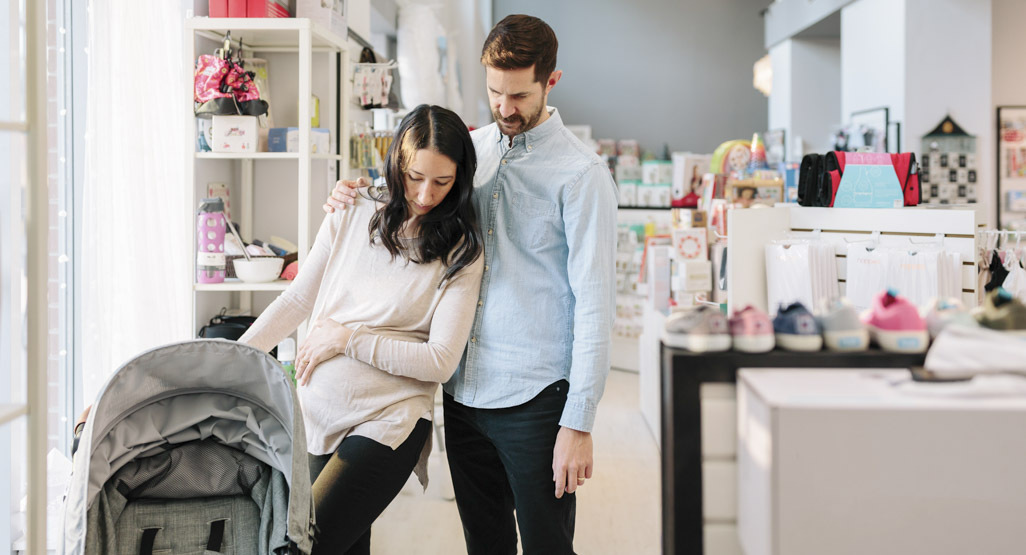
{"x":263,"y":36}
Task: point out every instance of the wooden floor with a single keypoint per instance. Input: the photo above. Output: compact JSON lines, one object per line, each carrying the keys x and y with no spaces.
{"x":618,"y":510}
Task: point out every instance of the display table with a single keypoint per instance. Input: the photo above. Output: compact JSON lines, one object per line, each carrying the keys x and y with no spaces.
{"x":682,"y":375}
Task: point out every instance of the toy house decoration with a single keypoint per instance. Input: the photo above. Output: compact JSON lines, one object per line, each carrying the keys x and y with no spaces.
{"x":949,"y":170}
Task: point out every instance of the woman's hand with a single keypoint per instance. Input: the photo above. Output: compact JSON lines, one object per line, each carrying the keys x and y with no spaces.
{"x":327,"y":339}
{"x":343,"y":194}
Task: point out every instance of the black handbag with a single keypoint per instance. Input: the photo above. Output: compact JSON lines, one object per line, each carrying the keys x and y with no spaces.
{"x":226,"y":327}
{"x":229,"y":327}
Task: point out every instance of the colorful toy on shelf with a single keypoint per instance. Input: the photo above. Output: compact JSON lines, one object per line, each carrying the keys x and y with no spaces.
{"x":757,"y":156}
{"x":731,"y":156}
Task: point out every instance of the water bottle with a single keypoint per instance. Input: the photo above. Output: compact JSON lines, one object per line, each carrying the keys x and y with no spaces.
{"x":210,"y":263}
{"x":287,"y":357}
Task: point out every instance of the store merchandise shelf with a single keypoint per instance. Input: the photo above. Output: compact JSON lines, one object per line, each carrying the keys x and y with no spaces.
{"x":260,"y":33}
{"x":236,"y":285}
{"x":9,"y":412}
{"x":682,"y":374}
{"x":662,"y":208}
{"x":263,"y":156}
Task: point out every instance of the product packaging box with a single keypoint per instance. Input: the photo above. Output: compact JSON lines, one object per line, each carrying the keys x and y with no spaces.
{"x":330,"y":14}
{"x":656,"y":171}
{"x":662,"y":195}
{"x":692,"y":276}
{"x":869,"y":461}
{"x":647,"y":195}
{"x":237,"y":8}
{"x":629,"y":193}
{"x":683,"y":218}
{"x":691,"y":244}
{"x":688,"y":170}
{"x":789,"y":172}
{"x":233,"y":134}
{"x":1016,"y":201}
{"x":217,"y":8}
{"x":267,"y":8}
{"x":286,"y":139}
{"x":628,"y":147}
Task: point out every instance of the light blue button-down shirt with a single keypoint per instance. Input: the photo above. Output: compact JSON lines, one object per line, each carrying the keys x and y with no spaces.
{"x":547,"y":210}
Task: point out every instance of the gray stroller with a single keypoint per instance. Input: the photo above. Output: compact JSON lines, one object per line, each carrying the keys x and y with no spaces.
{"x":192,"y":448}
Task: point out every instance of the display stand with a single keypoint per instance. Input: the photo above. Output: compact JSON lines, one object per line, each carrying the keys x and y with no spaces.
{"x":255,"y":174}
{"x":699,"y":437}
{"x":749,"y":231}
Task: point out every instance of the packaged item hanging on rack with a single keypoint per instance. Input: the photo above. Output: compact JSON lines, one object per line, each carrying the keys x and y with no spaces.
{"x":859,"y":180}
{"x":223,"y":87}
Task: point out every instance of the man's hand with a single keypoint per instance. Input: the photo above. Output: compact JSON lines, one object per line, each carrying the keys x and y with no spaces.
{"x":343,"y":194}
{"x":327,"y":339}
{"x":571,"y":460}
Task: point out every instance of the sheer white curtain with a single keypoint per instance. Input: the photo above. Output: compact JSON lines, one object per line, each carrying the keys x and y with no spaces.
{"x":136,"y":235}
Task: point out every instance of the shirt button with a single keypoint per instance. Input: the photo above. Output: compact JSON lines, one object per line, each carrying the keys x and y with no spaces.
{"x":504,"y":162}
{"x":486,"y":267}
{"x":495,"y":195}
{"x":489,"y":232}
{"x":480,"y":303}
{"x":473,"y":340}
{"x":529,"y":147}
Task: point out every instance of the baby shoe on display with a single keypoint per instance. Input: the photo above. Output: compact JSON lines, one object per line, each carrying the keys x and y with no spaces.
{"x":796,"y":329}
{"x":842,"y":329}
{"x":942,"y":312}
{"x":895,"y":324}
{"x":1003,"y":312}
{"x":700,"y":329}
{"x":752,"y":331}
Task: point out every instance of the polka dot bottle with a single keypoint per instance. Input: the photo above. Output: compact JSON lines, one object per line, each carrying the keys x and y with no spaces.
{"x":210,"y":225}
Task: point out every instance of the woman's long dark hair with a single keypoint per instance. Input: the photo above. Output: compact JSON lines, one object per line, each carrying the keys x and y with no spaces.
{"x":449,"y":232}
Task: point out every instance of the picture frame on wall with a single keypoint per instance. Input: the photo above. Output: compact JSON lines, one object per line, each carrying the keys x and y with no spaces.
{"x":1011,"y":167}
{"x":776,"y":146}
{"x":874,"y":124}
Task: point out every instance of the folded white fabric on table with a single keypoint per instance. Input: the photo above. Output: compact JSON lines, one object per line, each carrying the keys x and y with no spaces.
{"x":962,"y":350}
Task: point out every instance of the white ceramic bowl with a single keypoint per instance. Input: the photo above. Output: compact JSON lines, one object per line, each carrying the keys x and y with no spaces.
{"x":258,"y":270}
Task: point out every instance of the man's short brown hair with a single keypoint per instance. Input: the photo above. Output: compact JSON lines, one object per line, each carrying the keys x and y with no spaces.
{"x":519,"y":42}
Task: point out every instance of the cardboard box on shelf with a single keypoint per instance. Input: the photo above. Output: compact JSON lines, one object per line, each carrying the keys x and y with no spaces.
{"x":286,"y":139}
{"x":267,"y":8}
{"x":235,"y":134}
{"x":656,"y":171}
{"x":629,"y":193}
{"x":684,"y":218}
{"x":756,"y":191}
{"x":691,"y":244}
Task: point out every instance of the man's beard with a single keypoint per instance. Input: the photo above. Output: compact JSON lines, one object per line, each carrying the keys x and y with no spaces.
{"x":517,"y":123}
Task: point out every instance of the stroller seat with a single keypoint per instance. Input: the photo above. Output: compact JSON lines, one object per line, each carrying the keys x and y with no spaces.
{"x":195,"y":498}
{"x":192,"y":448}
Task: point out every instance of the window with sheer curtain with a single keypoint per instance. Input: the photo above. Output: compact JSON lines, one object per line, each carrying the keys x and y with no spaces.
{"x":119,"y":225}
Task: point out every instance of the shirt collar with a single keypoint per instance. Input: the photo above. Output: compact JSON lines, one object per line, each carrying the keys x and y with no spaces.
{"x":537,"y":133}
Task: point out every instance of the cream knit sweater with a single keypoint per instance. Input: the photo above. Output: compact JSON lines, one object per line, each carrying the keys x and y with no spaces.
{"x":409,"y":333}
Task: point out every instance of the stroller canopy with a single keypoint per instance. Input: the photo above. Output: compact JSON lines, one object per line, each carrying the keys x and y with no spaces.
{"x":213,"y":390}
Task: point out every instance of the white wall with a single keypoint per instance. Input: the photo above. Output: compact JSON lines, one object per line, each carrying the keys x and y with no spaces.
{"x":781,"y":95}
{"x":948,"y":49}
{"x":806,"y":91}
{"x":873,"y":58}
{"x":677,"y":72}
{"x":1009,"y":71}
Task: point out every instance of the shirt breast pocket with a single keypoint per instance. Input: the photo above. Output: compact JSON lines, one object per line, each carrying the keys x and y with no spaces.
{"x":535,"y":222}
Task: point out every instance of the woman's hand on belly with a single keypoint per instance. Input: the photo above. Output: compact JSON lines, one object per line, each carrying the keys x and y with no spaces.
{"x":327,"y":339}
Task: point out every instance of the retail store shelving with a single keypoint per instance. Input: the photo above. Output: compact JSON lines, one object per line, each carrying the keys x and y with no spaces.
{"x":276,"y":36}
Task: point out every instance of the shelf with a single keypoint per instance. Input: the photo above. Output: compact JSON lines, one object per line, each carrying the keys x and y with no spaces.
{"x":262,"y":32}
{"x":230,"y":285}
{"x":9,"y":412}
{"x":661,"y":208}
{"x":263,"y":156}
